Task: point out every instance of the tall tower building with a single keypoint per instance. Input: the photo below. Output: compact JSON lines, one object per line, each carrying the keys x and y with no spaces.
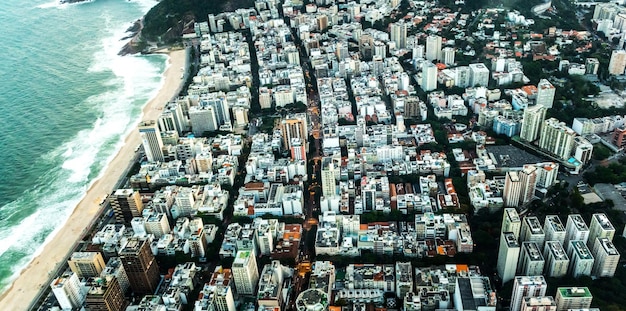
{"x":86,"y":264}
{"x":245,"y":272}
{"x":581,"y":259}
{"x":68,"y":291}
{"x":448,"y":55}
{"x":545,"y":93}
{"x":479,"y":74}
{"x":531,"y":125}
{"x":512,"y":189}
{"x":573,"y":298}
{"x":546,"y":303}
{"x":126,"y":204}
{"x":269,"y":294}
{"x":531,"y":261}
{"x":532,"y":231}
{"x":429,"y":77}
{"x":140,"y":266}
{"x":221,"y":291}
{"x":104,"y":294}
{"x":329,"y":183}
{"x":606,"y":258}
{"x":151,"y":140}
{"x":576,"y":229}
{"x":511,"y":222}
{"x":554,"y":229}
{"x":398,"y":34}
{"x":203,"y":118}
{"x":508,"y":255}
{"x":294,"y":126}
{"x":527,"y":286}
{"x":547,"y":173}
{"x":600,"y":227}
{"x":617,"y":64}
{"x":557,"y":260}
{"x":433,"y":47}
{"x":557,"y":138}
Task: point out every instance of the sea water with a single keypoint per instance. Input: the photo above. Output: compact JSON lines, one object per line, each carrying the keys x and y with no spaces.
{"x":67,"y":101}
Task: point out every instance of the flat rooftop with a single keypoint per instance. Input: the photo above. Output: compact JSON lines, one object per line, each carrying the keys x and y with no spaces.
{"x":511,"y":156}
{"x":574,"y":292}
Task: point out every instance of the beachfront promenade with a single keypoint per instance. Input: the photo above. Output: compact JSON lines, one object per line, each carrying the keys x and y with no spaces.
{"x":33,"y":280}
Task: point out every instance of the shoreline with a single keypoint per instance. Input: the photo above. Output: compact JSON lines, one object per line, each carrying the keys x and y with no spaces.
{"x":35,"y":276}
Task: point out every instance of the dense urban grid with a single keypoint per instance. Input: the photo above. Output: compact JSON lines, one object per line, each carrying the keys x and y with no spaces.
{"x":375,"y":155}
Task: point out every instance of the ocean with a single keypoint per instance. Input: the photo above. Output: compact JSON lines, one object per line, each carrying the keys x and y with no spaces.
{"x":67,"y":101}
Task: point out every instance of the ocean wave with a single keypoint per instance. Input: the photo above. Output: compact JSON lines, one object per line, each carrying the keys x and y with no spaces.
{"x":29,"y":222}
{"x":60,"y":5}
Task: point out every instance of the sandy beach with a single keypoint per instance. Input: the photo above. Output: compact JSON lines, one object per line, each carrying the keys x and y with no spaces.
{"x":28,"y":284}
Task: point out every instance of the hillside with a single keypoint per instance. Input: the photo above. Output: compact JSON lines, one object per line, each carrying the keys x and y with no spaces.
{"x":166,"y":19}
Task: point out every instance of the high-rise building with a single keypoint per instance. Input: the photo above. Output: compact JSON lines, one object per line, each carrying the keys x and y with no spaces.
{"x":581,"y":259}
{"x":298,"y":150}
{"x":576,"y":229}
{"x":479,"y":74}
{"x":115,"y":268}
{"x":557,"y":261}
{"x":151,"y":140}
{"x":573,"y":298}
{"x":398,"y":34}
{"x":329,"y":183}
{"x":554,"y":229}
{"x":545,"y":93}
{"x":511,"y":222}
{"x":68,"y":291}
{"x":527,"y":286}
{"x":532,"y":121}
{"x":294,"y":126}
{"x":273,"y":276}
{"x":512,"y":189}
{"x":203,"y":118}
{"x":126,"y":204}
{"x":557,"y":138}
{"x":531,"y":260}
{"x":86,"y":264}
{"x":519,"y":186}
{"x":245,"y":272}
{"x":508,"y":255}
{"x":220,"y":291}
{"x":542,"y":303}
{"x":606,"y":258}
{"x":448,"y":55}
{"x":617,"y":64}
{"x":600,"y":227}
{"x":433,"y":47}
{"x":104,"y":294}
{"x":140,"y":266}
{"x":547,"y":173}
{"x":532,"y":231}
{"x":429,"y":77}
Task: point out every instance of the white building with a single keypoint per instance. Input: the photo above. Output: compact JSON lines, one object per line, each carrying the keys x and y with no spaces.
{"x":576,"y":229}
{"x":245,"y":272}
{"x":606,"y":258}
{"x":557,"y":261}
{"x":68,"y":291}
{"x":527,"y":286}
{"x":581,"y":259}
{"x":508,"y":255}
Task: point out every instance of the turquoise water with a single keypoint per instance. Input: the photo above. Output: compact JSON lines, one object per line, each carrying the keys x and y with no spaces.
{"x":67,"y":101}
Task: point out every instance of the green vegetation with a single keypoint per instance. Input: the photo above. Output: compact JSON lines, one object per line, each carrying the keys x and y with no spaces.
{"x":612,"y":174}
{"x":600,"y":152}
{"x":169,"y":14}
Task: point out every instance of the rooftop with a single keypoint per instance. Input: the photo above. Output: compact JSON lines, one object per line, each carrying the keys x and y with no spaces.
{"x":574,"y":292}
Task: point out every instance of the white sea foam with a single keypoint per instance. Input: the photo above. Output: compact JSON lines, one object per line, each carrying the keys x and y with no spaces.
{"x":59,"y":5}
{"x":134,"y":81}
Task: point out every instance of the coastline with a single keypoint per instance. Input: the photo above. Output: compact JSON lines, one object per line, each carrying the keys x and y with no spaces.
{"x":35,"y":276}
